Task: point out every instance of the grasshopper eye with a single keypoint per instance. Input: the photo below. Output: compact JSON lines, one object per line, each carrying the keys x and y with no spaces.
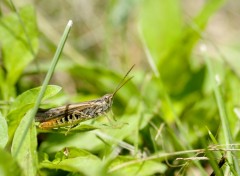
{"x":108,"y":98}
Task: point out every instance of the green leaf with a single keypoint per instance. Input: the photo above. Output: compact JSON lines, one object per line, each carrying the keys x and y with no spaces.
{"x":148,"y":167}
{"x":23,"y":103}
{"x":67,"y":153}
{"x":209,"y":8}
{"x":2,"y":85}
{"x":20,"y":36}
{"x":77,"y":129}
{"x":29,"y":97}
{"x":26,"y":157}
{"x":3,"y":131}
{"x":8,"y":166}
{"x":79,"y":161}
{"x":170,"y":42}
{"x":157,"y":21}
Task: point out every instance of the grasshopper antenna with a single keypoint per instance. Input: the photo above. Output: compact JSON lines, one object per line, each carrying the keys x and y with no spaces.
{"x":122,"y":83}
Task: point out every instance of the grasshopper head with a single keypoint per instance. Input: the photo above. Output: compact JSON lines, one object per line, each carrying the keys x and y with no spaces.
{"x":108,"y":99}
{"x":106,"y":102}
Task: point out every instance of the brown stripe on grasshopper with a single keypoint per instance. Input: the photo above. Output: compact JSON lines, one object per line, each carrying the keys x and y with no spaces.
{"x":73,"y":114}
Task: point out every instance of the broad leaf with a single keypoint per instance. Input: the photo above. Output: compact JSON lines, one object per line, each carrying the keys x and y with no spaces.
{"x":75,"y":160}
{"x":25,"y":102}
{"x":19,"y":41}
{"x":29,"y":146}
{"x":149,"y":167}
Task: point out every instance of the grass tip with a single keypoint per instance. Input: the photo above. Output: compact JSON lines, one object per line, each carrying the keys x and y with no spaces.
{"x":70,"y":22}
{"x":218,"y":80}
{"x":203,"y":48}
{"x":237,"y":112}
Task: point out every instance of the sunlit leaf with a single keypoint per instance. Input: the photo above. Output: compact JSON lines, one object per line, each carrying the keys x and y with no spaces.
{"x":68,"y":130}
{"x":19,"y":41}
{"x":28,"y":149}
{"x":78,"y":161}
{"x":136,"y":168}
{"x":23,"y":103}
{"x":3,"y":131}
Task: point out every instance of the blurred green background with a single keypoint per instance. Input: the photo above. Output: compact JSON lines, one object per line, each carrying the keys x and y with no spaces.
{"x":171,"y":104}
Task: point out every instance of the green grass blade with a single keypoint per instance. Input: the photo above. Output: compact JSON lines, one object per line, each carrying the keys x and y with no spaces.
{"x":222,"y":112}
{"x":45,"y":83}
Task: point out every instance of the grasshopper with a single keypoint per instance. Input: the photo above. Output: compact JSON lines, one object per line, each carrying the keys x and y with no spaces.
{"x":72,"y":114}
